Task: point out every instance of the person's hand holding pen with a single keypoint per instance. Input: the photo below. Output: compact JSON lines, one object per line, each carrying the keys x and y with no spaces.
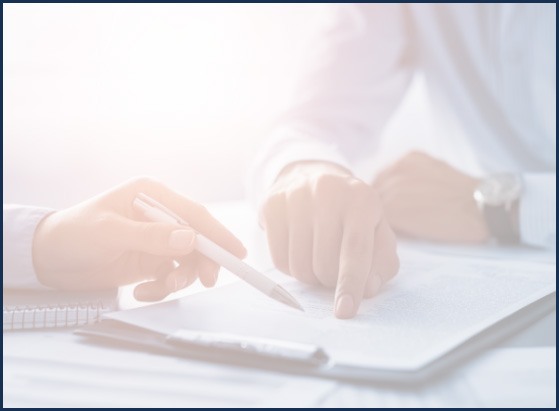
{"x":104,"y":242}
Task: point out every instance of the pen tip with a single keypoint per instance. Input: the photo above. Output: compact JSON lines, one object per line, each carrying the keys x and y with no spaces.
{"x":281,"y":295}
{"x":295,"y":304}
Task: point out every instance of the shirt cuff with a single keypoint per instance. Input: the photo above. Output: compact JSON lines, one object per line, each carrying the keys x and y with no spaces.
{"x":288,"y":146}
{"x":19,"y":225}
{"x":537,"y":210}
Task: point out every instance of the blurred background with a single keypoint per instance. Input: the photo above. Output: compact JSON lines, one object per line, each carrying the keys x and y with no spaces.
{"x":95,"y":94}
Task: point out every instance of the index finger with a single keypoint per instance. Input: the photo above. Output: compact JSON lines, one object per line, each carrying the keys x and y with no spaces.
{"x":196,"y":215}
{"x":356,"y":257}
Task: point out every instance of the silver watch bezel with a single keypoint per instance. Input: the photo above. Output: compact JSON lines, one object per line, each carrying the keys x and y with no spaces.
{"x":498,"y":190}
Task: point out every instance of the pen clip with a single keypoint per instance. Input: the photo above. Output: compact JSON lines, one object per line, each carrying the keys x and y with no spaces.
{"x":238,"y":345}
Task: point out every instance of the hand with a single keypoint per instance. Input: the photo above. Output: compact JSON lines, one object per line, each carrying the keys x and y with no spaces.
{"x":428,"y":199}
{"x":325,"y":226}
{"x":103,"y":242}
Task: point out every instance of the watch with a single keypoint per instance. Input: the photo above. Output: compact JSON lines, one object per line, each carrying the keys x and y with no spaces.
{"x":496,"y":196}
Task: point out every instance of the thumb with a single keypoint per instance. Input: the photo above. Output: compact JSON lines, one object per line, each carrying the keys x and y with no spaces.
{"x":153,"y":238}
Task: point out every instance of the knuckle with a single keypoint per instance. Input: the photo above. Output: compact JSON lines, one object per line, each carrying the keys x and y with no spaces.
{"x":357,"y":186}
{"x":361,"y":192}
{"x":326,"y":184}
{"x":350,"y":189}
{"x":364,"y":202}
{"x":271,"y":205}
{"x":297,"y":195}
{"x":415,"y":154}
{"x":404,"y":161}
{"x":143,"y":182}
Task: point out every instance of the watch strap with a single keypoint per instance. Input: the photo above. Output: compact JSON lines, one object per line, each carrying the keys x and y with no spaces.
{"x":500,"y":224}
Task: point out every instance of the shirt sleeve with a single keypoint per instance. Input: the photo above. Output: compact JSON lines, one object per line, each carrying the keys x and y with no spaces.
{"x":351,"y":82}
{"x":538,"y":210}
{"x":19,"y":224}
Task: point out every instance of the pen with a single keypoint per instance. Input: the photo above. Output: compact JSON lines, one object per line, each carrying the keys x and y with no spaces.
{"x":156,"y":211}
{"x":263,"y":348}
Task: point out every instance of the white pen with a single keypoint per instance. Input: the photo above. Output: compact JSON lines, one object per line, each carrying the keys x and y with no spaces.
{"x":156,"y":211}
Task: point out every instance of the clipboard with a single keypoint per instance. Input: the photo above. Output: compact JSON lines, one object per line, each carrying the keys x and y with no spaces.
{"x":215,"y":347}
{"x":439,"y":311}
{"x":305,"y":359}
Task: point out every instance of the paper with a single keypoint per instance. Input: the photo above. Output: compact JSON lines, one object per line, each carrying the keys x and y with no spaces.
{"x":435,"y":303}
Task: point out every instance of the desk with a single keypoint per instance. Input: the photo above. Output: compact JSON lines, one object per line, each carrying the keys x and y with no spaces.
{"x":56,"y":368}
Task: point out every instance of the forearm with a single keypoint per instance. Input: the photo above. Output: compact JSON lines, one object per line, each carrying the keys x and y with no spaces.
{"x":354,"y":77}
{"x":286,"y":147}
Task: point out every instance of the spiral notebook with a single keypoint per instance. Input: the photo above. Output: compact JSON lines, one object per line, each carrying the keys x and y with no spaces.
{"x":24,"y":310}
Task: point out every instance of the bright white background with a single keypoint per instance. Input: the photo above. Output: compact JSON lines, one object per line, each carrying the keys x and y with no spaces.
{"x":97,"y":93}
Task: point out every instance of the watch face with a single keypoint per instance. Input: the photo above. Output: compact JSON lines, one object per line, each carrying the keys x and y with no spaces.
{"x":498,"y":189}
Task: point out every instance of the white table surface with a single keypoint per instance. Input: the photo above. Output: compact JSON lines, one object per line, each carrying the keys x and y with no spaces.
{"x":56,"y":368}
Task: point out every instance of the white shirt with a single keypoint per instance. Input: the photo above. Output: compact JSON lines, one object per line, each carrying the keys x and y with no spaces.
{"x":18,"y":226}
{"x":488,"y":67}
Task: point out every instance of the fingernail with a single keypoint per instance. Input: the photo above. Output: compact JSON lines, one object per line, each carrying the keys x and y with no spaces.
{"x":345,"y":306}
{"x":140,"y":294}
{"x":182,"y":240}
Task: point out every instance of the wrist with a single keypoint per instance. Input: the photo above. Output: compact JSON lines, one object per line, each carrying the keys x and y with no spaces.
{"x":311,"y":168}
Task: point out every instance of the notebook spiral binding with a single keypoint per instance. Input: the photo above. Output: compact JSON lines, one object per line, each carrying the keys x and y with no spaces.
{"x":19,"y":317}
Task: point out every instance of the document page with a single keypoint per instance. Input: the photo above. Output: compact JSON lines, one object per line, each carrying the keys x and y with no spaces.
{"x":434,"y":303}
